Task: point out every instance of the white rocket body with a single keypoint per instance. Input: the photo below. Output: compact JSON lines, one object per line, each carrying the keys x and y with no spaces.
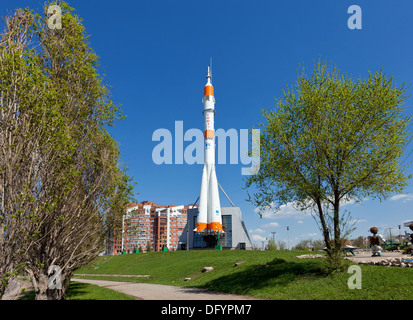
{"x":209,"y":210}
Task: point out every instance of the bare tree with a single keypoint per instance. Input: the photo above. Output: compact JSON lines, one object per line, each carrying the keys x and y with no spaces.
{"x":281,"y":245}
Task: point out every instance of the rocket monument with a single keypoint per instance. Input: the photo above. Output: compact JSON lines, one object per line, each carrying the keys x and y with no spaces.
{"x":209,"y":220}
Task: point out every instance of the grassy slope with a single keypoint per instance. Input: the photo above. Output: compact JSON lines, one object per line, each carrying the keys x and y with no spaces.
{"x":293,"y":279}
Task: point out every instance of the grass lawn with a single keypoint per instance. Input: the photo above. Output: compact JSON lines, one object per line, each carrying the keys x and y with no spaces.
{"x":85,"y":291}
{"x":286,"y":277}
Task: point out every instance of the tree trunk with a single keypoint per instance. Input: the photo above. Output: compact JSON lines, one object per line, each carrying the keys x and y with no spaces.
{"x":43,"y":292}
{"x":55,"y":294}
{"x":336,"y":219}
{"x":324,"y":226}
{"x":40,"y":286}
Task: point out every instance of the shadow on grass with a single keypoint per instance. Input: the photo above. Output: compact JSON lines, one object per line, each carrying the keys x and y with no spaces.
{"x":256,"y":277}
{"x":28,"y":295}
{"x":76,"y":289}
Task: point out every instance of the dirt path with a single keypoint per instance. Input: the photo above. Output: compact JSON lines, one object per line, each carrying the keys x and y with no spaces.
{"x":149,"y":291}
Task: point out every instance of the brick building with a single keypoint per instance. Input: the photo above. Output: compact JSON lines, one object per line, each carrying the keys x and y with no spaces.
{"x":148,"y":226}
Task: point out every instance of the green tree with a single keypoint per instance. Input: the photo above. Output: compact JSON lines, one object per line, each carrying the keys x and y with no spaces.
{"x":332,"y":139}
{"x":62,"y":187}
{"x":272,"y":246}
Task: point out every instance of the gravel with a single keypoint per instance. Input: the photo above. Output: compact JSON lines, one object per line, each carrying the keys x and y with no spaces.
{"x":390,"y":258}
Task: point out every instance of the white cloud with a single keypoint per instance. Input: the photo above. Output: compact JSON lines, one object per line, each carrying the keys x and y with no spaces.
{"x":310,"y":235}
{"x":300,"y":221}
{"x":403,"y":197}
{"x":285,"y":211}
{"x":258,"y":230}
{"x":257,"y":237}
{"x":289,"y":210}
{"x":271,"y":225}
{"x":347,"y":201}
{"x":358,"y":221}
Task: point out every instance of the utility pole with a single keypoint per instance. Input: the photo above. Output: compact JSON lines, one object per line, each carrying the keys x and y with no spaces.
{"x":273,"y":233}
{"x":187,"y":235}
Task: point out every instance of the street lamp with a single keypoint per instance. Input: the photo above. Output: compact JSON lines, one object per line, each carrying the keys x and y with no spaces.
{"x":263,"y":243}
{"x":288,"y":233}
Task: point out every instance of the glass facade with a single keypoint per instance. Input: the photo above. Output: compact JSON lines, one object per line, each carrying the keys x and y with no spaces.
{"x":226,"y":241}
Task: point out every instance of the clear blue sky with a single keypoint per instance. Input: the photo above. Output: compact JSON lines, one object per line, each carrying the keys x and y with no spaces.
{"x":155,"y":56}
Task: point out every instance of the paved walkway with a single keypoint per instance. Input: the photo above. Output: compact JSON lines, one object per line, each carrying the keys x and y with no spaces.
{"x":149,"y":291}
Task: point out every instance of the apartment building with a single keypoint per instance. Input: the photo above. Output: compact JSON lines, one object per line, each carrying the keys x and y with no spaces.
{"x":148,"y":226}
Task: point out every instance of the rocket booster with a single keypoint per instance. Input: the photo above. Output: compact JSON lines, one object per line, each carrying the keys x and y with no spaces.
{"x":209,"y":209}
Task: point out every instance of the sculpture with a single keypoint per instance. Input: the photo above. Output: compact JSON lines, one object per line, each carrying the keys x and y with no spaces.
{"x":375,"y":242}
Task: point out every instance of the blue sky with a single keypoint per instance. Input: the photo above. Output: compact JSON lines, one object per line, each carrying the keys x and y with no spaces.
{"x":155,"y":56}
